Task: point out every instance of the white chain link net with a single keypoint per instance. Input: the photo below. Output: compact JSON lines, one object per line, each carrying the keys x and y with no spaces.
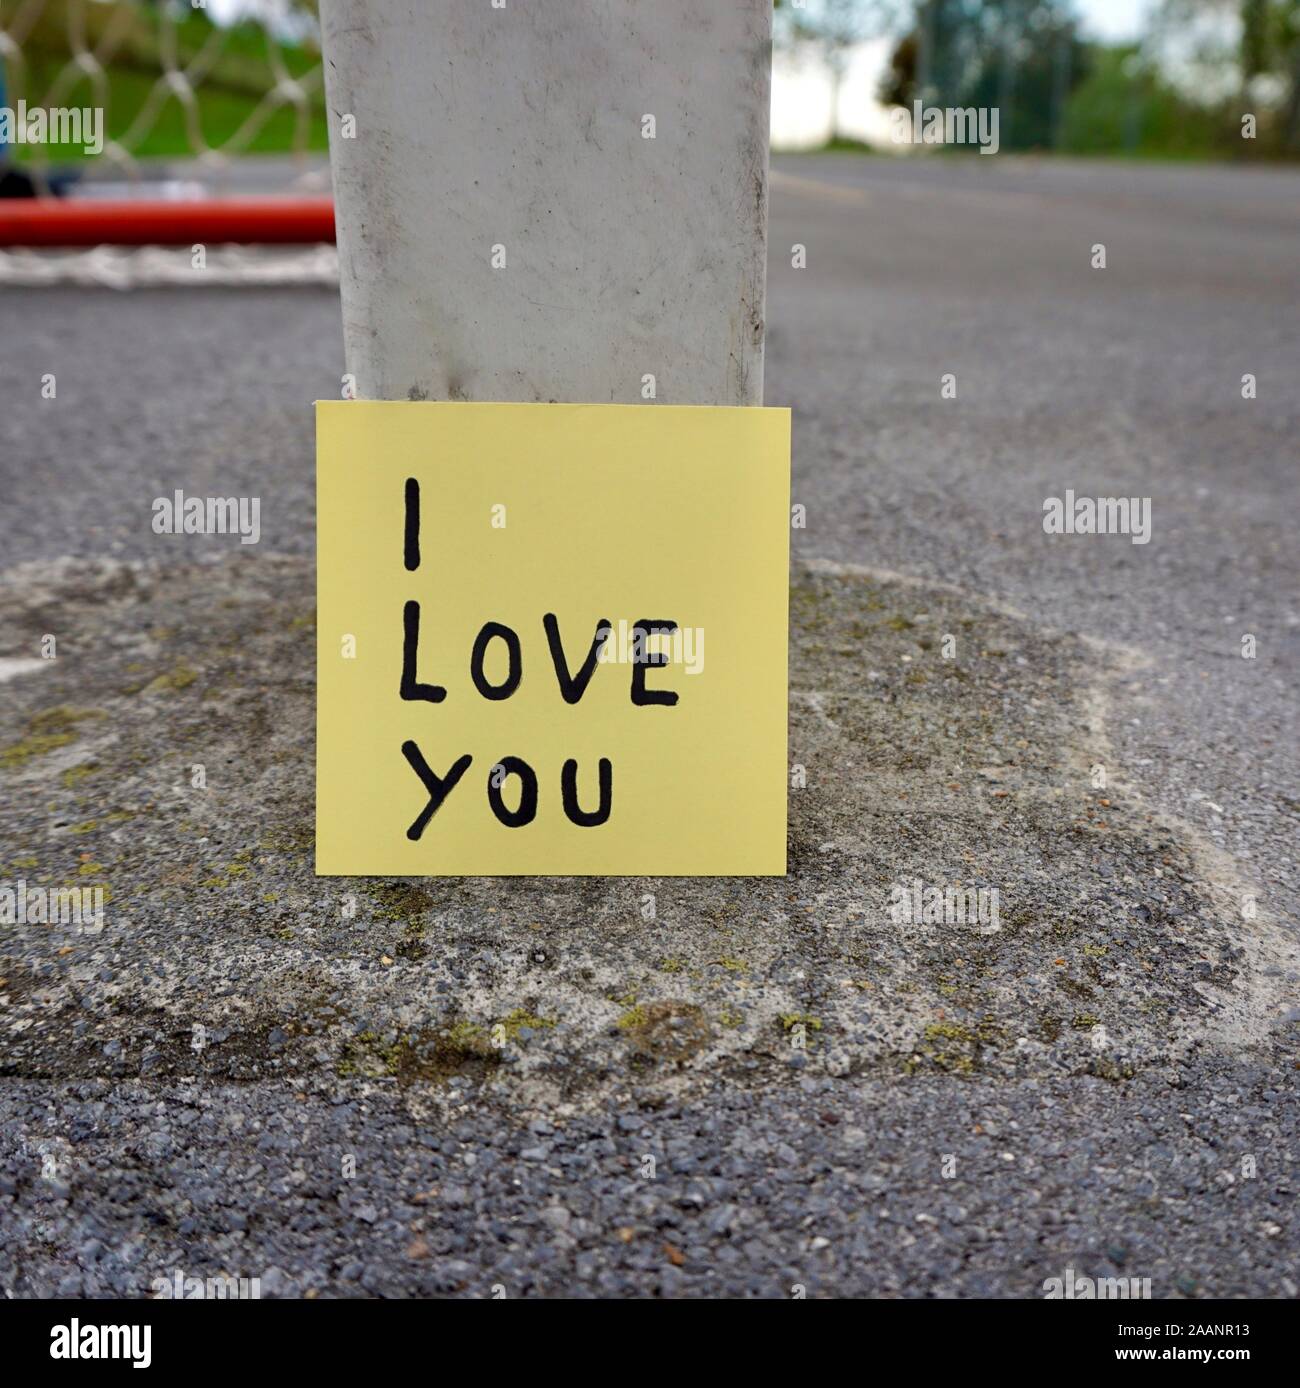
{"x":147,"y":267}
{"x":95,"y":34}
{"x":87,"y":39}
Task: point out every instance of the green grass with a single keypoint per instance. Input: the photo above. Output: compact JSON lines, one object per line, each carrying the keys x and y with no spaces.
{"x":844,"y":144}
{"x":221,"y":113}
{"x":229,"y":92}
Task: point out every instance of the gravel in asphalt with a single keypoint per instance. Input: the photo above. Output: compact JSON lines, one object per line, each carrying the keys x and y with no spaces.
{"x":670,"y":1087}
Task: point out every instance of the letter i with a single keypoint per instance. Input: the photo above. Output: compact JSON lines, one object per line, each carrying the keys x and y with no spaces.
{"x":411,"y":548}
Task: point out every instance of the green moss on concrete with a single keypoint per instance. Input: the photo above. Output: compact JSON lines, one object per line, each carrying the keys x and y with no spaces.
{"x":667,"y":1031}
{"x":47,"y":731}
{"x":172,"y":682}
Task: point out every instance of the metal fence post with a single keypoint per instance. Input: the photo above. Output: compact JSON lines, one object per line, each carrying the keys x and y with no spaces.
{"x":551,"y":202}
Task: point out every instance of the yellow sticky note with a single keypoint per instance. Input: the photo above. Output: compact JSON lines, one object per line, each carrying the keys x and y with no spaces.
{"x":490,"y":699}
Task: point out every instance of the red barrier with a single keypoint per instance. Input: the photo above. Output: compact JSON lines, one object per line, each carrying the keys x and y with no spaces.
{"x":87,"y":222}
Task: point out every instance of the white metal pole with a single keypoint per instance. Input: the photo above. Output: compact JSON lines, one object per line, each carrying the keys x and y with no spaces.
{"x":551,"y":199}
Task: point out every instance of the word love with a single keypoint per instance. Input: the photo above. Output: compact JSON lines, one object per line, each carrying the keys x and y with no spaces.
{"x":571,"y":684}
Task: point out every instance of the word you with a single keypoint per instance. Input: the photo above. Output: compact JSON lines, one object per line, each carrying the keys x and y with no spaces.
{"x":571,"y":684}
{"x":1103,"y":515}
{"x":209,"y":515}
{"x":946,"y":125}
{"x":54,"y":125}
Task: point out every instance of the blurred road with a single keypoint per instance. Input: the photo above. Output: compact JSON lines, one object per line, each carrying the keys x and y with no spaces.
{"x":1125,"y":381}
{"x":1098,"y":1072}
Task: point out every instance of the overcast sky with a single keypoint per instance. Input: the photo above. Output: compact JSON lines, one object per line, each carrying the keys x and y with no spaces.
{"x":1115,"y":20}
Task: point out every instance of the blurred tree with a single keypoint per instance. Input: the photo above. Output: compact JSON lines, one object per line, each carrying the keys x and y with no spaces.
{"x":1271,"y":40}
{"x":1262,"y":39}
{"x":1022,"y":56}
{"x":1124,"y":105}
{"x":829,"y":29}
{"x":1254,"y":39}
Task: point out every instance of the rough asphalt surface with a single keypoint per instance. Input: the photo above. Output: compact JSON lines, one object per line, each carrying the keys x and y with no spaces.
{"x":452,"y":1087}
